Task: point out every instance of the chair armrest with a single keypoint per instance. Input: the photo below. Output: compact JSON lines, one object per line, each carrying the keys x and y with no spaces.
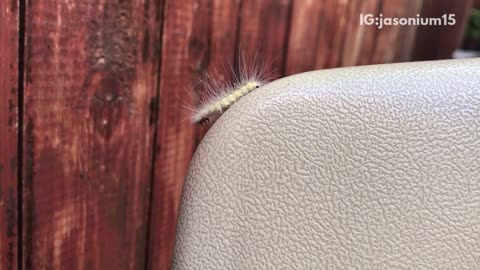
{"x":372,"y":167}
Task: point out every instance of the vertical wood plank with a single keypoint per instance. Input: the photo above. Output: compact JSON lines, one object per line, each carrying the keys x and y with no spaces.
{"x":395,"y":43}
{"x":360,"y":40}
{"x":337,"y":16}
{"x":263,"y":32}
{"x":366,"y":44}
{"x":446,"y":38}
{"x":91,"y":77}
{"x":302,"y":43}
{"x":198,"y":37}
{"x":327,"y":34}
{"x":317,"y":34}
{"x":9,"y":40}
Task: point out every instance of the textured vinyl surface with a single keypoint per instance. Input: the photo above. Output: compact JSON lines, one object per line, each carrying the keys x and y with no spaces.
{"x":374,"y":167}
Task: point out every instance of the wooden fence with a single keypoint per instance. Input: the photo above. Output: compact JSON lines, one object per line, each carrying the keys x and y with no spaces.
{"x":94,"y":145}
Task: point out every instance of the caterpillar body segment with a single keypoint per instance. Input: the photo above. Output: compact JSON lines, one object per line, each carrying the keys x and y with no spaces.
{"x":222,"y":103}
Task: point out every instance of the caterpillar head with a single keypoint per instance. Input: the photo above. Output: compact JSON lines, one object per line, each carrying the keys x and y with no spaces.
{"x":252,"y":85}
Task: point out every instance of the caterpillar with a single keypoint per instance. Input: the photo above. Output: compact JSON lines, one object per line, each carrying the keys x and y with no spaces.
{"x":219,"y":106}
{"x":219,"y":94}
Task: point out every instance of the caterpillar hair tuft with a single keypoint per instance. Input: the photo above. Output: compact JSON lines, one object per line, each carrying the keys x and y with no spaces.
{"x":219,"y":94}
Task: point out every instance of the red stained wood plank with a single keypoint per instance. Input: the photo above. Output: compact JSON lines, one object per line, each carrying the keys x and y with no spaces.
{"x":9,"y":30}
{"x":263,"y":33}
{"x":327,"y":34}
{"x":317,"y":34}
{"x":366,"y":44}
{"x":91,"y":77}
{"x":395,"y":43}
{"x":360,"y":41}
{"x":308,"y":32}
{"x":198,"y":38}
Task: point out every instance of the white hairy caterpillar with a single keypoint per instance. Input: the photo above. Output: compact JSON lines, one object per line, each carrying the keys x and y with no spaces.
{"x":219,"y":95}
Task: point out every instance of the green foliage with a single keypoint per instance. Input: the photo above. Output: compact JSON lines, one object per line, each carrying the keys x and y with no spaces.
{"x":473,"y":30}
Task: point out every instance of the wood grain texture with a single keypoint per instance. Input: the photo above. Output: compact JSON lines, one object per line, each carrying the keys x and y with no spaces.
{"x":9,"y":40}
{"x":198,"y":37}
{"x":91,"y":77}
{"x":105,"y":87}
{"x":366,"y":44}
{"x":395,"y":43}
{"x":263,"y":32}
{"x":439,"y":42}
{"x":338,"y":38}
{"x":316,"y":26}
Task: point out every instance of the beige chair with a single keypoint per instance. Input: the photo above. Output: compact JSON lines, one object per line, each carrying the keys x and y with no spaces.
{"x":373,"y":167}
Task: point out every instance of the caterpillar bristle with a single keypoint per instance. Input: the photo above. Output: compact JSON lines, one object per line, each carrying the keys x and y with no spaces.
{"x":219,"y":94}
